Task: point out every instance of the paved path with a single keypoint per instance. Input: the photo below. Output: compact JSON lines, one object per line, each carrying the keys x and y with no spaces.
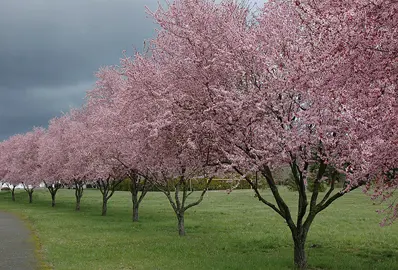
{"x":16,"y":248}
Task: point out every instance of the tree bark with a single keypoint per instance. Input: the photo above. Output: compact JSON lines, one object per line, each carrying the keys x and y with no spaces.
{"x":181,"y":225}
{"x":135,"y":187}
{"x":107,"y":188}
{"x":52,"y":199}
{"x":30,"y":196}
{"x":29,"y":191}
{"x":53,"y":188}
{"x":135,"y":212}
{"x":77,"y":208}
{"x":78,"y":193}
{"x":104,"y":206}
{"x":300,"y":258}
{"x":134,"y":195}
{"x":13,"y":194}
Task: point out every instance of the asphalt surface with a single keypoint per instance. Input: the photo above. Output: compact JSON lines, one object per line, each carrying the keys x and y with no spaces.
{"x":16,"y":248}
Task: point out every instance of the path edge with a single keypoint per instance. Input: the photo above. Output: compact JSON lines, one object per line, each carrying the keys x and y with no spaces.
{"x":41,"y":263}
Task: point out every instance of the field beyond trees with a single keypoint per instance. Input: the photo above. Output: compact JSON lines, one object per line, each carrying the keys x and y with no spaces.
{"x":226,"y":231}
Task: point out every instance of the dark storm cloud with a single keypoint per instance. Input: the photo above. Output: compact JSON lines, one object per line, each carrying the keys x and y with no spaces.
{"x":50,"y":49}
{"x":50,"y":42}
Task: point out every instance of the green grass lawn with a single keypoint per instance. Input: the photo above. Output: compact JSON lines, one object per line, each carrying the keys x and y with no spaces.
{"x":226,"y":231}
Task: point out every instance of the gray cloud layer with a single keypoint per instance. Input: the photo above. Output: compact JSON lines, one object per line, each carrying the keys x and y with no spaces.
{"x":49,"y":51}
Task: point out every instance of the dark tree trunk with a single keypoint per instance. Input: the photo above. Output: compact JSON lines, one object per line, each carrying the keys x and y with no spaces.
{"x":13,"y":194}
{"x":29,"y":191}
{"x":135,"y":212}
{"x":77,"y":208}
{"x":181,"y":225}
{"x":134,"y":195}
{"x":53,"y":188}
{"x":300,"y":258}
{"x":107,"y":188}
{"x":179,"y":204}
{"x":30,"y":196}
{"x":78,"y":194}
{"x":53,"y":199}
{"x":104,"y":206}
{"x":135,"y":187}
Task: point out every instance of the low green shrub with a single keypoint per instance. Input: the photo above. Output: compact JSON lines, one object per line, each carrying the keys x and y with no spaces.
{"x":124,"y":185}
{"x":216,"y":184}
{"x":91,"y":185}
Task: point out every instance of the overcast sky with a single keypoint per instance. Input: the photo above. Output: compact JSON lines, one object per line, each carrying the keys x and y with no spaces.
{"x":50,"y":50}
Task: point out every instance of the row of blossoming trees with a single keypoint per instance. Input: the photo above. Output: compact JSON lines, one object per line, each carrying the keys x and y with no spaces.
{"x":222,"y":89}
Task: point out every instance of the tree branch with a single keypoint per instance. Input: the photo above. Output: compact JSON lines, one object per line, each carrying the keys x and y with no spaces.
{"x":144,"y":190}
{"x":328,"y":193}
{"x":201,"y":196}
{"x":258,"y":195}
{"x":167,"y":193}
{"x":314,"y":197}
{"x":303,"y":202}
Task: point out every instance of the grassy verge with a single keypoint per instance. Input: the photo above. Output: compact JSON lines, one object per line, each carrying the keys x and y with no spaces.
{"x":232,"y":231}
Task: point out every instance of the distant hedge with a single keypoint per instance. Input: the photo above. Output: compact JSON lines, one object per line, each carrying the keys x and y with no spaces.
{"x":197,"y":184}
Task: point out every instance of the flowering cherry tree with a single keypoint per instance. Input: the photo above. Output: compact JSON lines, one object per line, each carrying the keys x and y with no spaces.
{"x":144,"y":110}
{"x":125,"y":98}
{"x":53,"y":156}
{"x":306,"y":83}
{"x":8,"y":148}
{"x":103,"y":140}
{"x":64,"y":159}
{"x":22,"y":160}
{"x":173,"y":161}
